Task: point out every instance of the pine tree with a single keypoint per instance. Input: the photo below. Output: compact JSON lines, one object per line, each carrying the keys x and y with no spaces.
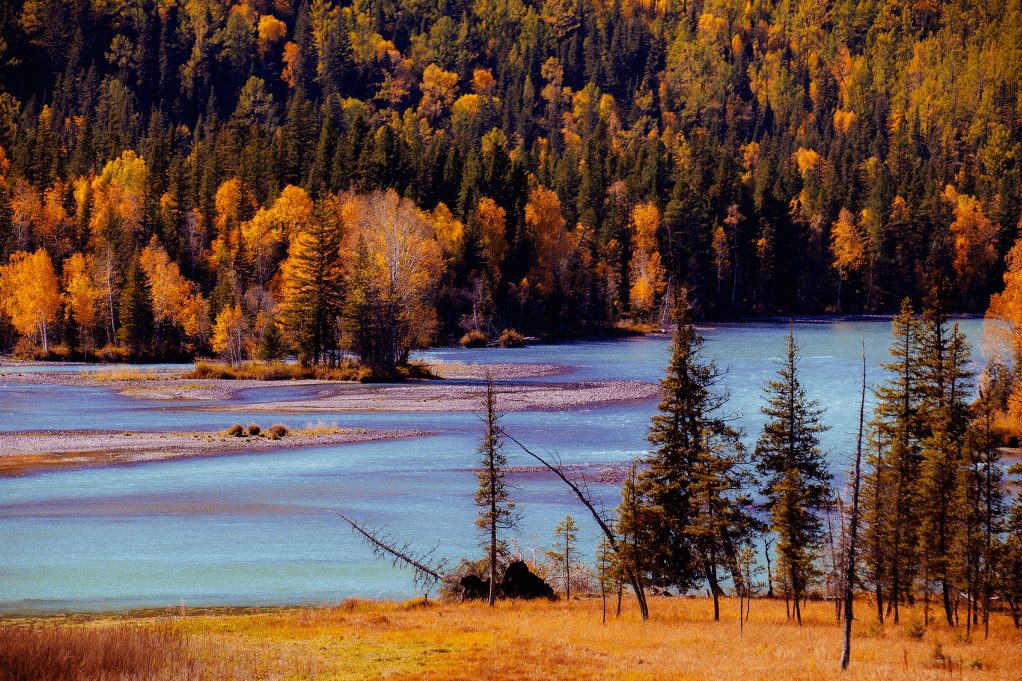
{"x":893,"y":520}
{"x":690,"y":486}
{"x":564,"y":549}
{"x":496,"y":510}
{"x":797,"y":482}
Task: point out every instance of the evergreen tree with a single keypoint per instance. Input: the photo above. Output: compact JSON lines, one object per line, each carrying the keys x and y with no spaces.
{"x":496,"y":510}
{"x":796,"y":480}
{"x":563,"y":550}
{"x":690,"y":484}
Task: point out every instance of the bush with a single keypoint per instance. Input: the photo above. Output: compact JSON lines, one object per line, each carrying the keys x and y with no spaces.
{"x":474,"y":339}
{"x":509,"y":338}
{"x":277,"y":431}
{"x":914,"y":628}
{"x":236,"y":430}
{"x":253,"y":429}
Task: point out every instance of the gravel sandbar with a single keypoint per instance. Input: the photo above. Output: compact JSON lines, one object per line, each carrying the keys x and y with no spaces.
{"x":451,"y":398}
{"x":21,"y":453}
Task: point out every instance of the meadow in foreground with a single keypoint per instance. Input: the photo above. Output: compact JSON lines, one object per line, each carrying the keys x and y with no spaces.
{"x":539,"y":640}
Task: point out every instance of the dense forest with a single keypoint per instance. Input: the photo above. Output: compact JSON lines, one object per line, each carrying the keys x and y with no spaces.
{"x":372,"y":176}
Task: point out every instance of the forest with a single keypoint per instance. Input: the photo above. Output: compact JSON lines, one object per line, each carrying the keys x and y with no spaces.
{"x":180,"y":176}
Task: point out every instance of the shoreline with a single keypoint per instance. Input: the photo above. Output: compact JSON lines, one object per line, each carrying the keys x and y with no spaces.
{"x":28,"y":453}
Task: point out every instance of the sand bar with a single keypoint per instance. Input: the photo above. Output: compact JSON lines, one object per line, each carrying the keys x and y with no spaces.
{"x":450,"y":398}
{"x":22,"y":453}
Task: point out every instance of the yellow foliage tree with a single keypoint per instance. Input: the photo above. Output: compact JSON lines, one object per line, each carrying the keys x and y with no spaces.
{"x":646,"y":273}
{"x":30,"y":293}
{"x":229,"y":333}
{"x":81,"y":295}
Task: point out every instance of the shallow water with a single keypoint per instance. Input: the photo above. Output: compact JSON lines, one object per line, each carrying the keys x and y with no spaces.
{"x":254,"y":529}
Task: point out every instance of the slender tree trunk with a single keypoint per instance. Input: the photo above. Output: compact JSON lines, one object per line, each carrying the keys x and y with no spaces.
{"x":853,"y":528}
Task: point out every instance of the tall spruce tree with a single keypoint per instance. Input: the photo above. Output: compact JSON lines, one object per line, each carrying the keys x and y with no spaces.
{"x":796,"y":480}
{"x":691,"y":482}
{"x":892,"y":520}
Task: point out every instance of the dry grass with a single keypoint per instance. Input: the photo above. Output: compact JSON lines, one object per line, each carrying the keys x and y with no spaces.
{"x":321,"y":428}
{"x":543,"y":640}
{"x":124,"y":373}
{"x":77,"y":653}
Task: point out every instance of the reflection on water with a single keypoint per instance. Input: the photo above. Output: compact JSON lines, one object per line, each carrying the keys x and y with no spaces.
{"x":253,"y":529}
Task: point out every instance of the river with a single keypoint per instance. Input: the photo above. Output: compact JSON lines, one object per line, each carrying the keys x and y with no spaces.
{"x":254,"y":529}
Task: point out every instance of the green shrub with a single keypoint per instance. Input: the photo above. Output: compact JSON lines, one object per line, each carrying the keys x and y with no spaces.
{"x":914,"y":628}
{"x":236,"y":430}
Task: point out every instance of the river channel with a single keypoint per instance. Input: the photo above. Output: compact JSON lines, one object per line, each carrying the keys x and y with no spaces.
{"x":254,"y":529}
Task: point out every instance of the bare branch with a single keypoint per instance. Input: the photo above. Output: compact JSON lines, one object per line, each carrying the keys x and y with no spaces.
{"x":382,"y":545}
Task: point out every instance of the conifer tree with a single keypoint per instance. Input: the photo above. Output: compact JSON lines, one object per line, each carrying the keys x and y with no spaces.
{"x":496,"y":510}
{"x":690,"y":485}
{"x":894,"y":480}
{"x":564,"y":548}
{"x":796,"y":480}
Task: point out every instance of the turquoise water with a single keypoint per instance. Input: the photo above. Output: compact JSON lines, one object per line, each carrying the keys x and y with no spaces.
{"x":254,"y":529}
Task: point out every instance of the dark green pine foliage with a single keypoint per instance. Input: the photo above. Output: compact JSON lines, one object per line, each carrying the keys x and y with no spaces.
{"x":691,"y":483}
{"x":497,"y":513}
{"x":946,"y":417}
{"x":796,"y":482}
{"x":311,"y":313}
{"x":894,"y":518}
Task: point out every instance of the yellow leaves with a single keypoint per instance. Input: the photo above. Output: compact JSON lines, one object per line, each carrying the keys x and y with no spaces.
{"x":229,"y":333}
{"x":80,"y":292}
{"x":808,"y":161}
{"x":483,"y":82}
{"x":447,"y":229}
{"x":439,"y":89}
{"x":847,"y":244}
{"x":271,"y":31}
{"x":646,"y":274}
{"x":492,"y":224}
{"x":30,"y":293}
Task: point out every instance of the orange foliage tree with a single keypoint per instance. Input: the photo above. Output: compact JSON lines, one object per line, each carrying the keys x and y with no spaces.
{"x":646,"y":273}
{"x":30,"y":293}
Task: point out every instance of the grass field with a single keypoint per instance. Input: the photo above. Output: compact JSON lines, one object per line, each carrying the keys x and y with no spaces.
{"x":518,"y":640}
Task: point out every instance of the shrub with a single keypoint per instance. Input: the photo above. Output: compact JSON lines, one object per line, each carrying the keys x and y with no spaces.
{"x":914,"y":628}
{"x":509,"y":338}
{"x":474,"y":339}
{"x":236,"y":430}
{"x":277,"y":431}
{"x":253,"y":429}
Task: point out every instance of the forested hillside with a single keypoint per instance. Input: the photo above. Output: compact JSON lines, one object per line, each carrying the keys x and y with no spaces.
{"x":555,"y":165}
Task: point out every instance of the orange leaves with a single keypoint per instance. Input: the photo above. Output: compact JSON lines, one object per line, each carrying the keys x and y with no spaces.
{"x":847,"y":244}
{"x":30,"y":293}
{"x":975,"y":237}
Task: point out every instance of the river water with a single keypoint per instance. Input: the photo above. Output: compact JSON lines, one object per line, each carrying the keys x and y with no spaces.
{"x":254,"y":529}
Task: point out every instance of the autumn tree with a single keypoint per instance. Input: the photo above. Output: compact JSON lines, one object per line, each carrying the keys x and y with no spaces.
{"x":30,"y":293}
{"x":645,"y":272}
{"x":796,"y":482}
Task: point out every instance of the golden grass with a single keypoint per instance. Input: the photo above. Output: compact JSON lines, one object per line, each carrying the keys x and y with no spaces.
{"x":543,"y":640}
{"x":124,"y":373}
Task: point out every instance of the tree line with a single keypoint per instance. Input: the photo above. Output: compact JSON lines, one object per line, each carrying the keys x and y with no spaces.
{"x":936,"y":523}
{"x":772,"y":158}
